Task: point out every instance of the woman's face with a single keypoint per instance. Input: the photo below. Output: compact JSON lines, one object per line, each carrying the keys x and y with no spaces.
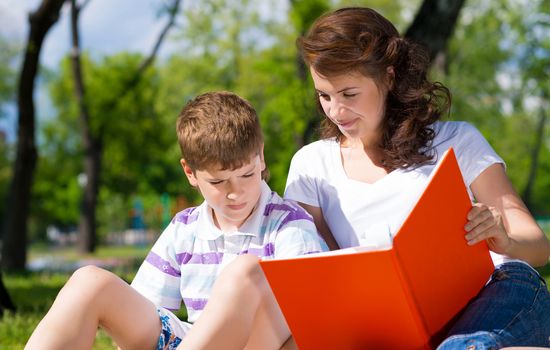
{"x":353,"y":102}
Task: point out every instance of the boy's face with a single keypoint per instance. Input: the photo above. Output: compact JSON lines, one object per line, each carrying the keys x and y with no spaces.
{"x":232,"y":194}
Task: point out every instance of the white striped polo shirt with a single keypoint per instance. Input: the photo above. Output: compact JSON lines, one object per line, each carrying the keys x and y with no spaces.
{"x":189,"y":255}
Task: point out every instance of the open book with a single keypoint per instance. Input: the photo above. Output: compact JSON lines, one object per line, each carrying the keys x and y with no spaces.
{"x":403,"y":297}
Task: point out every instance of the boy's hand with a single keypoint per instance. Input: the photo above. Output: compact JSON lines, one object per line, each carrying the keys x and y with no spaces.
{"x":485,"y":223}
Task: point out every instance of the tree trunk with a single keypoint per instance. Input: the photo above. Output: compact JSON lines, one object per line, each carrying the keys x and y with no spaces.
{"x":527,"y":194}
{"x":14,"y":247}
{"x":433,"y":26}
{"x":92,"y":146}
{"x":92,"y":139}
{"x":92,"y":168}
{"x":5,"y":300}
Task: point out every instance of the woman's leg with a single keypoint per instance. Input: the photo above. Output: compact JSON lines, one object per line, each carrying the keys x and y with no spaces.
{"x":94,"y":297}
{"x":513,"y":309}
{"x":241,"y":312}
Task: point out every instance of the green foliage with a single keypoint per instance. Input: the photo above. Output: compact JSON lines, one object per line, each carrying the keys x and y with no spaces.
{"x":304,"y":13}
{"x":8,"y":53}
{"x":135,"y":143}
{"x":496,"y":62}
{"x":399,"y":12}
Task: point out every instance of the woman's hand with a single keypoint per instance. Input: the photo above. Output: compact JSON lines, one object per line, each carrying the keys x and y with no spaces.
{"x":504,"y":221}
{"x":485,"y":223}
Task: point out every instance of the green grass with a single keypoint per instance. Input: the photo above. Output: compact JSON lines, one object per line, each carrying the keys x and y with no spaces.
{"x":545,"y":273}
{"x":33,"y":293}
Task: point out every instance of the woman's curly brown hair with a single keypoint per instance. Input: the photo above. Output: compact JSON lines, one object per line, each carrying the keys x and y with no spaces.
{"x":357,"y":39}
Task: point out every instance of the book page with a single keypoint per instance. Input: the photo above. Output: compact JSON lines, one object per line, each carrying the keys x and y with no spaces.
{"x":344,"y":251}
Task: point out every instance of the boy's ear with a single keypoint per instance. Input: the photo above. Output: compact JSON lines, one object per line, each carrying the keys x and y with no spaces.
{"x":189,"y":173}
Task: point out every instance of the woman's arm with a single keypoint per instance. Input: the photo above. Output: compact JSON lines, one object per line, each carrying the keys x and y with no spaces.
{"x":321,"y":224}
{"x":501,"y":218}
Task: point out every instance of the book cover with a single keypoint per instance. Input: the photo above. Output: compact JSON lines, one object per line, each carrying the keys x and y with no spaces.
{"x":403,"y":297}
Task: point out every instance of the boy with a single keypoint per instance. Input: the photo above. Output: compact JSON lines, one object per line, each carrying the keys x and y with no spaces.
{"x":222,"y":147}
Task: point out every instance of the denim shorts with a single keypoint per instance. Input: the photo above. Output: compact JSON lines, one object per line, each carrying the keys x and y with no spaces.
{"x":173,"y":330}
{"x":513,"y":309}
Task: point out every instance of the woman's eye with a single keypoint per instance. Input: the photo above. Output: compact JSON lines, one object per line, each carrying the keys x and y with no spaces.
{"x":349,"y":95}
{"x":324,"y":97}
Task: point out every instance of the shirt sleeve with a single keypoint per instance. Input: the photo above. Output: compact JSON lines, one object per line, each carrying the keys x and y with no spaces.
{"x":474,"y":153}
{"x":158,"y":278}
{"x":298,"y":236}
{"x":301,"y":185}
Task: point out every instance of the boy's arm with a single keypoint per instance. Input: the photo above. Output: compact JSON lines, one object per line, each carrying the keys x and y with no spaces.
{"x":298,"y":237}
{"x":158,"y":277}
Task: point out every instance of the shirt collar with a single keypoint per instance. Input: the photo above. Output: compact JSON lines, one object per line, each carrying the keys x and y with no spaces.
{"x":251,"y":227}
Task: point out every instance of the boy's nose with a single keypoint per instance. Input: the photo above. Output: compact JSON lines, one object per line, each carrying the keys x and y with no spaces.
{"x":233,"y":191}
{"x":231,"y":195}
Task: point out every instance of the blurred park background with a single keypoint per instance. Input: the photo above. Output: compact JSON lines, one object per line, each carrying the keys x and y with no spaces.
{"x":89,"y":161}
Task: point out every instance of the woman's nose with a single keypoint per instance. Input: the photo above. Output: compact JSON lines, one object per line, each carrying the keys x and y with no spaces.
{"x":335,"y":109}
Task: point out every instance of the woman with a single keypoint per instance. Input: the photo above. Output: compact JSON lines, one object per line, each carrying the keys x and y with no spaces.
{"x":380,"y":140}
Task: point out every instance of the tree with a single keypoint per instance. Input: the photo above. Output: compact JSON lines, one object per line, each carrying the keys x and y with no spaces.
{"x":93,"y":139}
{"x":92,"y":143}
{"x":7,"y":87}
{"x":527,"y":193}
{"x":138,"y":145}
{"x":497,"y":59}
{"x":8,"y":54}
{"x":534,"y":59}
{"x":434,"y":24}
{"x":5,"y":300}
{"x":15,"y":232}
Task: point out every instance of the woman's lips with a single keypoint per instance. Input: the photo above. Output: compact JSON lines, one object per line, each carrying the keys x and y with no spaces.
{"x":346,"y":124}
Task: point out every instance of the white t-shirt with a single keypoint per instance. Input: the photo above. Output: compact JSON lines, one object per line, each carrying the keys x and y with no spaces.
{"x":360,"y":213}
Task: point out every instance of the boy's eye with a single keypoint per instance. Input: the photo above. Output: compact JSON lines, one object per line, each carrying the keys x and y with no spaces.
{"x":248,"y":175}
{"x":215,"y":182}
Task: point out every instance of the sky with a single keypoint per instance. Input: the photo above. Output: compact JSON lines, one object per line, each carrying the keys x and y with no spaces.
{"x":106,"y":27}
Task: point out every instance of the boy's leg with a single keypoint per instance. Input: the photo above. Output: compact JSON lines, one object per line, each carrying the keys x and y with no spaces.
{"x":241,"y":312}
{"x":95,"y":297}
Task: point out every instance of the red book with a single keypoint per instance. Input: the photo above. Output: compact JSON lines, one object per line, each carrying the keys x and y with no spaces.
{"x":403,"y":297}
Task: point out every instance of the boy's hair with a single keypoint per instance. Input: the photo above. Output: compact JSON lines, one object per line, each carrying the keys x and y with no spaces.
{"x":218,"y":129}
